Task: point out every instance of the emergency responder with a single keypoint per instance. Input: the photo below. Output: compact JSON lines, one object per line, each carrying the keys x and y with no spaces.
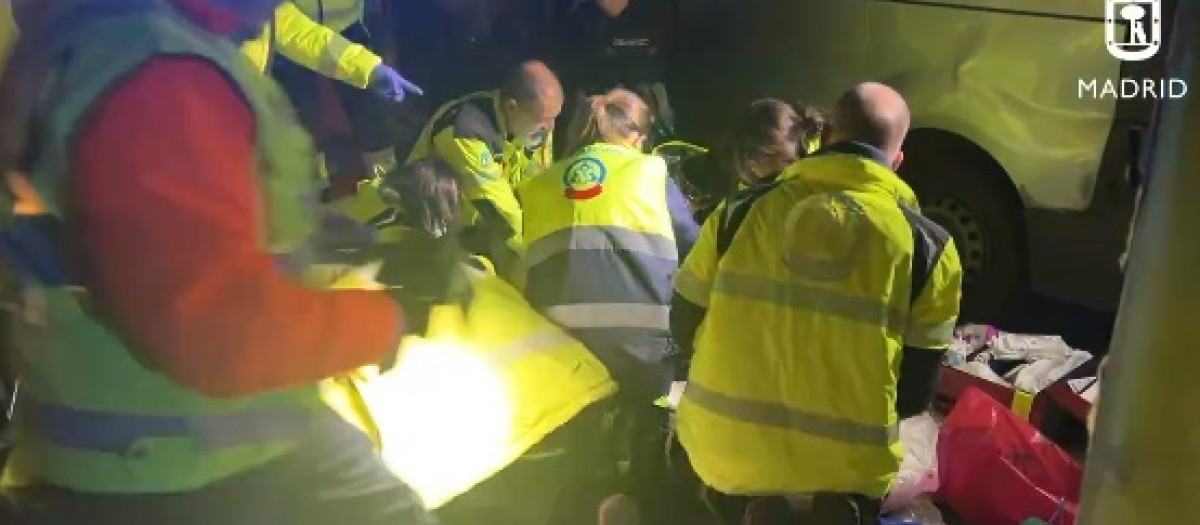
{"x":196,"y":400}
{"x":492,"y":140}
{"x":601,"y":253}
{"x":528,"y":400}
{"x":318,"y":48}
{"x":804,"y":301}
{"x":369,"y":110}
{"x":603,"y":44}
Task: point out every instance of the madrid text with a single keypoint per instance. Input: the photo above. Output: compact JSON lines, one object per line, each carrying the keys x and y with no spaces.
{"x":1129,"y":88}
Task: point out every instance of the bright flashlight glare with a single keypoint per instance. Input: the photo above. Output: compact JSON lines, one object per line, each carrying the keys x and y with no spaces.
{"x":444,"y":418}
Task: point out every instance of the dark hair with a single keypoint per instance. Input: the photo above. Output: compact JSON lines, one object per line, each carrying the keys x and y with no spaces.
{"x":427,"y":194}
{"x":814,"y":127}
{"x":768,"y":133}
{"x":616,"y":115}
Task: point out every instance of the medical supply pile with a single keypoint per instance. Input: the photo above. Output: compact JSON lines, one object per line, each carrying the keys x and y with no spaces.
{"x":1028,"y":363}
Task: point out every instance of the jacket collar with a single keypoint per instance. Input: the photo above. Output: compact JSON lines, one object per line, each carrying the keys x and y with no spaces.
{"x":849,"y":166}
{"x":858,"y":149}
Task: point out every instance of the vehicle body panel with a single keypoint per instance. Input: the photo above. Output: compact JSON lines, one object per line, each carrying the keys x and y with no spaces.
{"x":1007,"y":81}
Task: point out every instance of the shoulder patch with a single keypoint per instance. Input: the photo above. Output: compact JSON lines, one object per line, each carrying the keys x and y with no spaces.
{"x":584,"y":179}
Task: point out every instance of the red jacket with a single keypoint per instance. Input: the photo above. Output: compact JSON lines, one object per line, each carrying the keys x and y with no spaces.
{"x":167,"y":214}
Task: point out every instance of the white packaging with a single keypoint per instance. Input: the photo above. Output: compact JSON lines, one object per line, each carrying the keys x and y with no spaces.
{"x":1044,"y":372}
{"x":918,"y":471}
{"x":1029,"y":347}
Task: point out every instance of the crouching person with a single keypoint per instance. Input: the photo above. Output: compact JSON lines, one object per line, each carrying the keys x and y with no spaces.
{"x":495,"y":415}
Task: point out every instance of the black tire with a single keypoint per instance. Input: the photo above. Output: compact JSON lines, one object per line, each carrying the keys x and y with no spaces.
{"x":966,"y":193}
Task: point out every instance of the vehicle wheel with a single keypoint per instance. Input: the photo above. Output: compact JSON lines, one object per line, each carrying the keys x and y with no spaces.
{"x":969,"y":197}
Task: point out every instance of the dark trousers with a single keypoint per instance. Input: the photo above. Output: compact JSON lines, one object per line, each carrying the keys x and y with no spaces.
{"x":369,"y":114}
{"x":333,"y":478}
{"x":560,"y":481}
{"x":641,"y":432}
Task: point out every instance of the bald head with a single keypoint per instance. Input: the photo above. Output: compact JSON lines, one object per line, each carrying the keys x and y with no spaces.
{"x":873,"y":114}
{"x":531,"y":81}
{"x":532,"y":99}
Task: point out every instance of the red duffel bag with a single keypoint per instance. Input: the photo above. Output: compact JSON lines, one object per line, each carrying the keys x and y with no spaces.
{"x":996,"y":469}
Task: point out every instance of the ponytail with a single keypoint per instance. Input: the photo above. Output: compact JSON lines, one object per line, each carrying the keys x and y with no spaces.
{"x":618,"y":116}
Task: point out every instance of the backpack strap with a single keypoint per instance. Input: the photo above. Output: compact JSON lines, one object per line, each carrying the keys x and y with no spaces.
{"x":929,"y":241}
{"x":736,"y":210}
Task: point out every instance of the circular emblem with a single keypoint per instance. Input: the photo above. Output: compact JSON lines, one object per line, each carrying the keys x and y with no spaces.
{"x":584,"y":179}
{"x":489,"y":169}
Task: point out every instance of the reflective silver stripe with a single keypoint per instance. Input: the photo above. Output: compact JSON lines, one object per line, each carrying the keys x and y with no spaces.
{"x":781,"y":416}
{"x":810,"y":299}
{"x":332,"y":55}
{"x":611,"y":315}
{"x":601,"y":238}
{"x":536,"y":343}
{"x":692,"y":288}
{"x":930,"y":336}
{"x":116,"y":432}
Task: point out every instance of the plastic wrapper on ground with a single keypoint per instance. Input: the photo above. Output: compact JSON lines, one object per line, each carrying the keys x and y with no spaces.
{"x":918,"y":472}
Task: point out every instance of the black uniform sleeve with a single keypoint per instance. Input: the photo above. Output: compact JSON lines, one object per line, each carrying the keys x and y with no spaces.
{"x":919,"y":369}
{"x":685,"y":319}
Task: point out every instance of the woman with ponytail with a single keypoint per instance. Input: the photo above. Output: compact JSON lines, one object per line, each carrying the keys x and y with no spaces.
{"x":602,"y":251}
{"x":768,"y":137}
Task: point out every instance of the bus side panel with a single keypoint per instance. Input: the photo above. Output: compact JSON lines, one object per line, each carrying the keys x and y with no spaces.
{"x":1008,"y":83}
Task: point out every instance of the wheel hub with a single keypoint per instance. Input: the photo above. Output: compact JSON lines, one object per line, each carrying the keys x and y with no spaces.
{"x":953,"y":215}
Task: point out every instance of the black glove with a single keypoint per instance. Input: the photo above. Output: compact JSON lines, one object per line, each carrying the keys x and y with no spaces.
{"x":422,"y":274}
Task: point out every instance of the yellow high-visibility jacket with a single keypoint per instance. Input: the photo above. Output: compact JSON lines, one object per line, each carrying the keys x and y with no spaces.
{"x":474,"y":394}
{"x":600,"y":256}
{"x":334,"y":14}
{"x":792,"y":387}
{"x":470,"y":134}
{"x":318,"y":47}
{"x":291,"y":33}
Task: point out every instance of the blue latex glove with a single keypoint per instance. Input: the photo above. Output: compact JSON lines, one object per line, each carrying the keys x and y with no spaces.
{"x":387,"y":83}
